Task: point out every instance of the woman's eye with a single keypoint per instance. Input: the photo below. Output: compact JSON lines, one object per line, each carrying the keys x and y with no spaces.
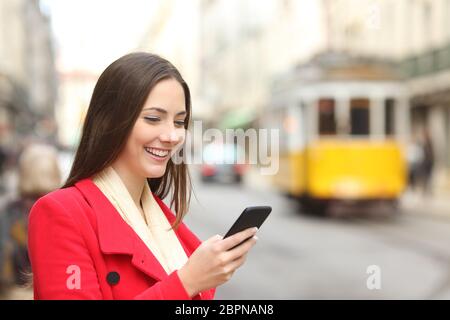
{"x":180,"y":123}
{"x":152,"y":119}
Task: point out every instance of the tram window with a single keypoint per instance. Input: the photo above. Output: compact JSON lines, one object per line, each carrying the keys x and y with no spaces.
{"x":359,"y":116}
{"x":389,"y":117}
{"x":327,"y":117}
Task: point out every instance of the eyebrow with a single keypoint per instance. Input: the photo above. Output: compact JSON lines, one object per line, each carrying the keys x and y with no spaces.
{"x":164,"y":111}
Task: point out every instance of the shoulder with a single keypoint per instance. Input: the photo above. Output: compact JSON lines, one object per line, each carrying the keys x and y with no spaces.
{"x":64,"y":197}
{"x":61,"y":216}
{"x":64,"y":201}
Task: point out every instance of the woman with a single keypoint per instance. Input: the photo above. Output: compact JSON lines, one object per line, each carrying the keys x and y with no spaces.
{"x":106,"y":234}
{"x":38,"y":173}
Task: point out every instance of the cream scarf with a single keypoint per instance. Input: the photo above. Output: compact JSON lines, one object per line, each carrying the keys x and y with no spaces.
{"x":153,"y":228}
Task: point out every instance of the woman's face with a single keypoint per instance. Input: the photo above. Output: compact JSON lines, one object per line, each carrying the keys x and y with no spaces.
{"x":157,"y":133}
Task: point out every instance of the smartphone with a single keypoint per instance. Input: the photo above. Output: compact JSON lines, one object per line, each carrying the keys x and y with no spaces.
{"x":251,"y":217}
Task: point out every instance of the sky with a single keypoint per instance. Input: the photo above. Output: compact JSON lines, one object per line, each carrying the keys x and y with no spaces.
{"x":90,"y":34}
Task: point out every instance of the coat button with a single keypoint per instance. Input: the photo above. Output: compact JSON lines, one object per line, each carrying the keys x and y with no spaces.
{"x":113,"y":278}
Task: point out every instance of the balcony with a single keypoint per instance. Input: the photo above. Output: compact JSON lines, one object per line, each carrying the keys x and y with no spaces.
{"x":427,"y":63}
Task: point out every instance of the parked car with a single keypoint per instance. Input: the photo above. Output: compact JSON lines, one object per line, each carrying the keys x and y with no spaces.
{"x":222,"y":163}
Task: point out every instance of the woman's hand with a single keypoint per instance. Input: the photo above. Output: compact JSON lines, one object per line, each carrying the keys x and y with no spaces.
{"x":215,"y":260}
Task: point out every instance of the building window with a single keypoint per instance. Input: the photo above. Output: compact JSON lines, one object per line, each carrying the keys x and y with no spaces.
{"x":327,"y":117}
{"x":389,"y":116}
{"x":359,"y":116}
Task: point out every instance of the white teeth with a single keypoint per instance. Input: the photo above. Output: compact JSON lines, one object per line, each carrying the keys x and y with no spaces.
{"x":159,"y":153}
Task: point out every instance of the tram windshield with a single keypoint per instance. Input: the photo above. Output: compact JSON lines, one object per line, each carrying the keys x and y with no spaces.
{"x":327,"y":117}
{"x":356,"y":118}
{"x":359,"y":116}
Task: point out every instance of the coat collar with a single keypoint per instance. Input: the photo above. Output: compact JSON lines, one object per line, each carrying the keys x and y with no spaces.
{"x":117,"y":237}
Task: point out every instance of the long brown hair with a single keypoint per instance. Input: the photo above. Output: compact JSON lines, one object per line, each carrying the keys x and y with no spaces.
{"x":116,"y":103}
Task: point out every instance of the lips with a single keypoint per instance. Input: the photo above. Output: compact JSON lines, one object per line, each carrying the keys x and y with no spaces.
{"x":160,"y":153}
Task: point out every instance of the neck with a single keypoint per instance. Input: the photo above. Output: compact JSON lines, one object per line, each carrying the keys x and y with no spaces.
{"x":133,"y":183}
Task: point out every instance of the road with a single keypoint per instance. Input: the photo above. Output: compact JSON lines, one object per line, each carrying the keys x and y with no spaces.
{"x":299,"y":256}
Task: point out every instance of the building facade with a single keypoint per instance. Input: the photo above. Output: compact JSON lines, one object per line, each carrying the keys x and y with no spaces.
{"x":27,"y":73}
{"x":174,"y":33}
{"x":246,"y":45}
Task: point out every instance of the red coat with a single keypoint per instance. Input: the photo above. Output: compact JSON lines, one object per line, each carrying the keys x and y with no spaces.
{"x":81,"y":248}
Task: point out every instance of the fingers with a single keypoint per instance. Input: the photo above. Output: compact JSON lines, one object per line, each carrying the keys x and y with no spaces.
{"x":237,"y":238}
{"x":238,"y":262}
{"x":235,"y":264}
{"x":214,"y":238}
{"x":241,"y":250}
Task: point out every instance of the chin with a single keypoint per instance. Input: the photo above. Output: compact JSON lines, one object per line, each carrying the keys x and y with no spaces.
{"x":154,"y":172}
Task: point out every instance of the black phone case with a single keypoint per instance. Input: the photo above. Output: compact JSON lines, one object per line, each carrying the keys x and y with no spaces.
{"x":251,"y":217}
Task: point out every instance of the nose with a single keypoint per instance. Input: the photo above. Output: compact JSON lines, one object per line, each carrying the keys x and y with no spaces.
{"x":172,"y":135}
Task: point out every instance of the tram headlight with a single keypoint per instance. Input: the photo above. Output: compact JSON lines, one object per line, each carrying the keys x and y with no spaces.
{"x":348,"y":188}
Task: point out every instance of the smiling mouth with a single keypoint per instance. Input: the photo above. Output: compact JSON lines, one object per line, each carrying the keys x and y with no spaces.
{"x":157,"y":152}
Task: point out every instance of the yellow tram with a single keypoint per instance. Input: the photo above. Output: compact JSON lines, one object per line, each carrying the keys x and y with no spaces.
{"x":343,"y":124}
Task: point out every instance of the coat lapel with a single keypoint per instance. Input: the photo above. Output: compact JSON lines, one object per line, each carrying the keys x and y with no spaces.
{"x":115,"y":235}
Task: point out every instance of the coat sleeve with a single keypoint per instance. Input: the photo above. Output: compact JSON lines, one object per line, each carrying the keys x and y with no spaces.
{"x":170,"y":288}
{"x":62,"y":265}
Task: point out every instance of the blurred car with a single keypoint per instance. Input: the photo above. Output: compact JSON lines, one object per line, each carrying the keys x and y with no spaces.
{"x":220,"y":163}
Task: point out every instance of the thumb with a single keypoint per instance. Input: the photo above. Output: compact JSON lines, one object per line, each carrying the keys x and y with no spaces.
{"x":215,"y":238}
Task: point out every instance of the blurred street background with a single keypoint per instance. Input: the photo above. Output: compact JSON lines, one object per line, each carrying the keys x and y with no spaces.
{"x":358,"y":91}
